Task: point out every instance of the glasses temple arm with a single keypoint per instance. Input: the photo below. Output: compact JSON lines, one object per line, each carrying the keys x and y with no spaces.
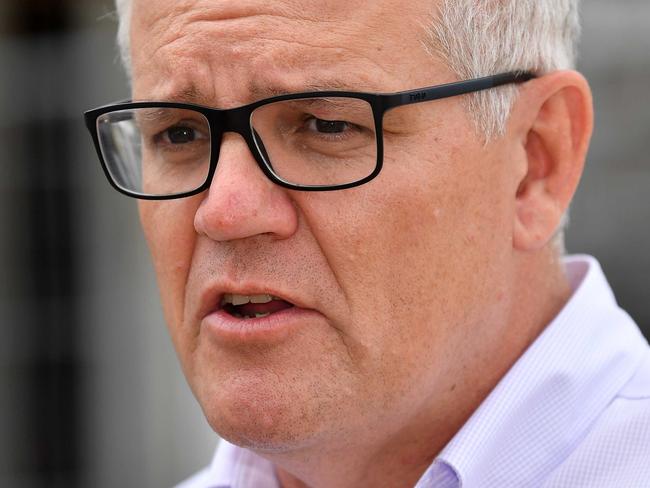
{"x":454,"y":89}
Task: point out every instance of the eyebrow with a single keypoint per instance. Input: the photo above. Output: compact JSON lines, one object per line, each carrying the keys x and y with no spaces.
{"x":189,"y":94}
{"x":258,"y":91}
{"x":158,"y":115}
{"x":314,"y":85}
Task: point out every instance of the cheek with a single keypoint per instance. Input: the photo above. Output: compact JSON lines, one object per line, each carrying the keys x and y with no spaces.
{"x":382,"y":248}
{"x":169,"y":230}
{"x":383,"y":244}
{"x":413,"y":252}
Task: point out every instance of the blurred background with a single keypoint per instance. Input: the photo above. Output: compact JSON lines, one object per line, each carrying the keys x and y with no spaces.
{"x":90,"y":390}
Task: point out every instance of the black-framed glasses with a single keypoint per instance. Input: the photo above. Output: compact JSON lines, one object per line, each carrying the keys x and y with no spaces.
{"x":316,"y":141}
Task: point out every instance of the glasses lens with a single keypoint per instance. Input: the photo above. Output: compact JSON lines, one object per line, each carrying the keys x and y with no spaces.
{"x":317,"y":141}
{"x":156,"y":151}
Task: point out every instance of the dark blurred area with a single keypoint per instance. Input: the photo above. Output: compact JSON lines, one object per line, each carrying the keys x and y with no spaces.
{"x":90,"y":392}
{"x":40,"y":322}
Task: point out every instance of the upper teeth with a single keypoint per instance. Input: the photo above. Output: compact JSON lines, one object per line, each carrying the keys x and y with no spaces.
{"x":244,"y":299}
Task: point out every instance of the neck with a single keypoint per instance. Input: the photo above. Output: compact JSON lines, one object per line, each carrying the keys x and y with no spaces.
{"x":538,"y":292}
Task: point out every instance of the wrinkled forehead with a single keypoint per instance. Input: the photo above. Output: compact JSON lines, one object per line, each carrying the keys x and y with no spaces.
{"x":274,"y":46}
{"x":152,"y":11}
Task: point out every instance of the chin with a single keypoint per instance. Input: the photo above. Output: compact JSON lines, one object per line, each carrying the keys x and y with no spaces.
{"x":279,"y":399}
{"x":261,"y":440}
{"x":262,"y":415}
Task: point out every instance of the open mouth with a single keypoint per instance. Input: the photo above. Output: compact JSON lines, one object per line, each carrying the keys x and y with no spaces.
{"x":253,"y":306}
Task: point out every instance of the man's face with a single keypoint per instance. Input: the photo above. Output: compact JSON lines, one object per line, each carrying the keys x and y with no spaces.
{"x":390,"y":281}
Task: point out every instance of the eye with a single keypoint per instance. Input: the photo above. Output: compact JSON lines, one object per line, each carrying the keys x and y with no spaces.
{"x":328,"y":126}
{"x":180,"y":135}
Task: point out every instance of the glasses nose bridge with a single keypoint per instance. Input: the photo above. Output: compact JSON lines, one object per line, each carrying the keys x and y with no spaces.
{"x":235,"y":120}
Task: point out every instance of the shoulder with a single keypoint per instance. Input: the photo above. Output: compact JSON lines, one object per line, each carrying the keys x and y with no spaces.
{"x":198,"y":480}
{"x":615,"y":450}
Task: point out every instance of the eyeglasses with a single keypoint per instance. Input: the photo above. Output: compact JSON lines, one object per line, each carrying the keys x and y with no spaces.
{"x":317,"y":141}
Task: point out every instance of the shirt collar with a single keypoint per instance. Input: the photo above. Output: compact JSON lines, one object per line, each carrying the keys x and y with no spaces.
{"x":547,"y":401}
{"x":234,"y":467}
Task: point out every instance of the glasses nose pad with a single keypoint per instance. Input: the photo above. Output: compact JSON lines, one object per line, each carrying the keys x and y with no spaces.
{"x":262,"y":149}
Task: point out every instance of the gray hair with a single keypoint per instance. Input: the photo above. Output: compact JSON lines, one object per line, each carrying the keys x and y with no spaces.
{"x":485,"y":37}
{"x":123,"y":31}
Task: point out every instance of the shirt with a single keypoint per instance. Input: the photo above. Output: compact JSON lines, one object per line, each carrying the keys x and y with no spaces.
{"x":573,"y":411}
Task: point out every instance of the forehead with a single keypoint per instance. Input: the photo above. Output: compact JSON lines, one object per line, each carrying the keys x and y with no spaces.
{"x":193,"y":49}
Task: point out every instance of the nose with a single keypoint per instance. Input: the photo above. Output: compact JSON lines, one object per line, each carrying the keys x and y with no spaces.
{"x":241,"y":201}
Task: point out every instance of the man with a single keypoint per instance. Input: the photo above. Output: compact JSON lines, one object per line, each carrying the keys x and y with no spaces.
{"x":368,"y":290}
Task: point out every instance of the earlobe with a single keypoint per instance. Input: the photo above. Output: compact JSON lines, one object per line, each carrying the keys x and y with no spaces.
{"x":558,"y":114}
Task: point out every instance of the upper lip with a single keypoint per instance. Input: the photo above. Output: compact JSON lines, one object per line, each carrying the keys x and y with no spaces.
{"x":211,"y":297}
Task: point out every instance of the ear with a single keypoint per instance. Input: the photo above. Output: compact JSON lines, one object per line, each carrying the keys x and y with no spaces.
{"x":555,"y":115}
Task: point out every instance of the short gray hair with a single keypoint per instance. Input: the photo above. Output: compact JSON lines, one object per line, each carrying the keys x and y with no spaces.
{"x":123,"y":31}
{"x":485,"y":37}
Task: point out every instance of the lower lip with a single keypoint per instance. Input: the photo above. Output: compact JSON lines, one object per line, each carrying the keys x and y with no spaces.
{"x":273,"y":328}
